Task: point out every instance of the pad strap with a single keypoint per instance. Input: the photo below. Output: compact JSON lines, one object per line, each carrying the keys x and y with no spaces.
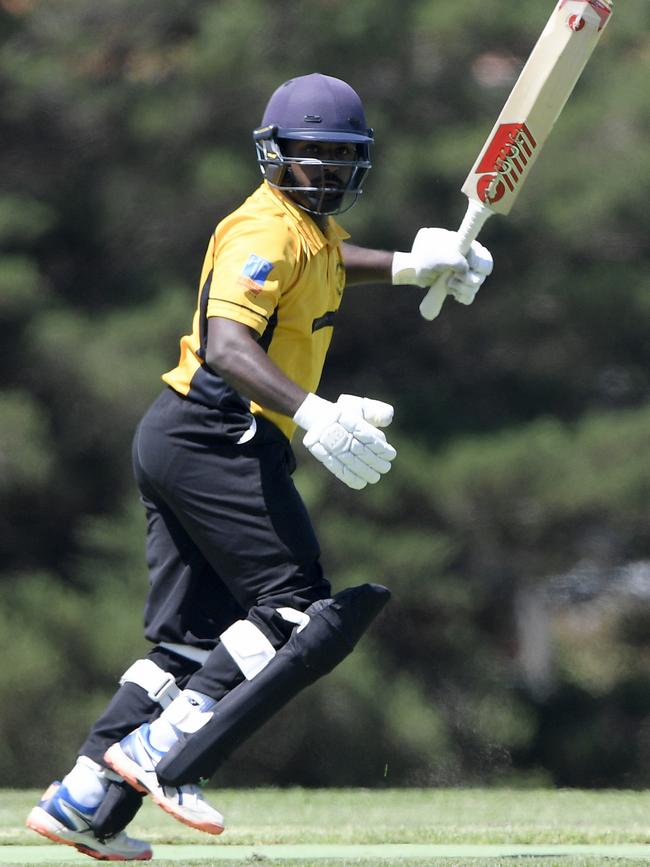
{"x":292,"y":615}
{"x":248,"y":646}
{"x":159,"y":685}
{"x":195,"y":654}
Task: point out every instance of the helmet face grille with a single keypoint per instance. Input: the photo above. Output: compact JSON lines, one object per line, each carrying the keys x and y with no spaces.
{"x":320,"y":198}
{"x":314,"y":108}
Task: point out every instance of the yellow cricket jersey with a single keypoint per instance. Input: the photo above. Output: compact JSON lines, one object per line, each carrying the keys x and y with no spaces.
{"x":270,"y":267}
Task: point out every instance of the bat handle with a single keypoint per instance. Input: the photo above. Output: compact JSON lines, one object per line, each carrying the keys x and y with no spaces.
{"x":473,"y":221}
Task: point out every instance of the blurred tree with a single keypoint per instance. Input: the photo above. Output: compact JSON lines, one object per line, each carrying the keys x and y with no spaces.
{"x":521,"y":421}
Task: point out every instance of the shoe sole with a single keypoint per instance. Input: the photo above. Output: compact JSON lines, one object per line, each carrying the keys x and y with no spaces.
{"x":117,"y":759}
{"x":39,"y":820}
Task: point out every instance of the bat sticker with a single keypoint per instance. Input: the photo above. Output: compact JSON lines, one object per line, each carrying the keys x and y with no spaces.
{"x":603,"y":10}
{"x":504,"y":161}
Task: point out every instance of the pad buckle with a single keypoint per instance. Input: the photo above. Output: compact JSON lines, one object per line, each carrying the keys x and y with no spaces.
{"x":161,"y":693}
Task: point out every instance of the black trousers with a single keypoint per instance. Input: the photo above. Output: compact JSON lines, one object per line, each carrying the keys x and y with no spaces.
{"x":228,"y":537}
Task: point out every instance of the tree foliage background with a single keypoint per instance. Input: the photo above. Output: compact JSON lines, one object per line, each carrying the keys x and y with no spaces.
{"x":513,"y":530}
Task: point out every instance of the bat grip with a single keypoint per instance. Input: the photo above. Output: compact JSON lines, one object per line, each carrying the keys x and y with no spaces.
{"x":473,"y":221}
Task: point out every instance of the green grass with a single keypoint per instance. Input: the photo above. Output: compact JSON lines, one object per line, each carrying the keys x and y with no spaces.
{"x":336,"y":817}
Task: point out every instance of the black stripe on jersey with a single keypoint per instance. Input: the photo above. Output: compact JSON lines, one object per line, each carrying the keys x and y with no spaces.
{"x":267,"y":336}
{"x":207,"y":387}
{"x":210,"y":389}
{"x":203,"y":318}
{"x":324,"y":321}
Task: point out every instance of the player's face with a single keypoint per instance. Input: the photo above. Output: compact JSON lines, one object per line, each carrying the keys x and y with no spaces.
{"x":320,"y":174}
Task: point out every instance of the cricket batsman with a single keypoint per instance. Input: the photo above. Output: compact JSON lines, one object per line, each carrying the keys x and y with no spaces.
{"x":239,"y":614}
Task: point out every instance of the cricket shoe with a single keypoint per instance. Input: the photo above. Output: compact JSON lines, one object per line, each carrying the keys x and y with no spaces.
{"x":61,"y":819}
{"x":135,"y":760}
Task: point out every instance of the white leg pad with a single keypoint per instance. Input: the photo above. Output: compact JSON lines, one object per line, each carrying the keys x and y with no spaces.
{"x":159,"y":685}
{"x":248,"y":646}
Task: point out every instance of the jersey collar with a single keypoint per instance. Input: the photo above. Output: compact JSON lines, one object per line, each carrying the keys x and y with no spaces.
{"x":307,"y":228}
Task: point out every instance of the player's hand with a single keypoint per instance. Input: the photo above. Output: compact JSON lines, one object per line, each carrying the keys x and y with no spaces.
{"x":338,"y":436}
{"x":480,"y":263}
{"x":434,"y":251}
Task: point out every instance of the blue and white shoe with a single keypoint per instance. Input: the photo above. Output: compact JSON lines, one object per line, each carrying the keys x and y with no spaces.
{"x":59,"y":818}
{"x":135,"y":760}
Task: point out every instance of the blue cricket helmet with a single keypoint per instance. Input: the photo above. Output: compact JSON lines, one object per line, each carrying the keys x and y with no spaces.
{"x":314,"y":108}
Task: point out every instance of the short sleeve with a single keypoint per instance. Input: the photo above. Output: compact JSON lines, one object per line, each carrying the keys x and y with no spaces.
{"x":253,"y":264}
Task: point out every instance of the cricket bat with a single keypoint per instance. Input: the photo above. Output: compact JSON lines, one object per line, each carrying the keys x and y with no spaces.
{"x":530,"y":112}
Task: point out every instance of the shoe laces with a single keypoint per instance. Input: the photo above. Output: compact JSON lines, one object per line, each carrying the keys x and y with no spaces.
{"x":187,"y":794}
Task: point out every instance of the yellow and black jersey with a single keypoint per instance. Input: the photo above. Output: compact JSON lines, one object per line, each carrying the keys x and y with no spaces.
{"x":270,"y":267}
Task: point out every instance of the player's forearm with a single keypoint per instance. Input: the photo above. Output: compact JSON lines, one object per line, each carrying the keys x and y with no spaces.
{"x":235,"y":355}
{"x":366,"y":266}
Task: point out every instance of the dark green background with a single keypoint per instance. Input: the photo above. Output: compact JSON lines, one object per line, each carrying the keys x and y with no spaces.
{"x":513,"y":529}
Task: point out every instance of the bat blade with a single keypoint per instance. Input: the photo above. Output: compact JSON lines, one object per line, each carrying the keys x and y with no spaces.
{"x":535,"y":102}
{"x":528,"y":116}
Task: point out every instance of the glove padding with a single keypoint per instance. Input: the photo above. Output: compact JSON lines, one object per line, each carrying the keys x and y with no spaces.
{"x":339,"y":437}
{"x":373,"y":411}
{"x":480,"y":263}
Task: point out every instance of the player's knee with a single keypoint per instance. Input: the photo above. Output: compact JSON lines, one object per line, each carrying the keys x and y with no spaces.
{"x":250,"y":648}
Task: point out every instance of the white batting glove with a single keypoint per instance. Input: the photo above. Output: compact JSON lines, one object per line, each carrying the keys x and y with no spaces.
{"x":480,"y":262}
{"x":374,"y":411}
{"x":434,"y":251}
{"x":339,"y":437}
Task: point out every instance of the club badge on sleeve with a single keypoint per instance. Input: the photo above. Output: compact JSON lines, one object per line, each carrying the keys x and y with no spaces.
{"x":254,"y":273}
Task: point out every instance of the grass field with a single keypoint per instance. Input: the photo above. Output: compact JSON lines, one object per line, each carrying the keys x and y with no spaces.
{"x":337,"y":828}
